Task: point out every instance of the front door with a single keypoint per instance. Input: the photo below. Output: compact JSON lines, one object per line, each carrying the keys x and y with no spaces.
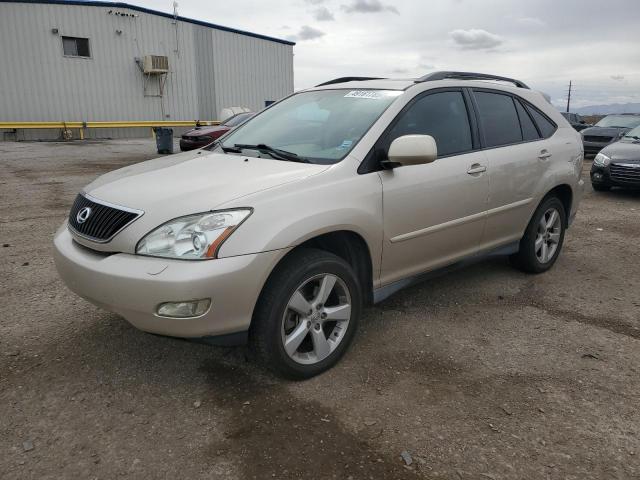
{"x":434,"y":214}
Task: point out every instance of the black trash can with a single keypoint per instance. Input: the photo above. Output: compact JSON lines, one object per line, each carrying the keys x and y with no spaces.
{"x":164,"y":139}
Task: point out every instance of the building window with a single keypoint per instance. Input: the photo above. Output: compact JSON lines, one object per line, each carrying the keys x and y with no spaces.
{"x":75,"y":47}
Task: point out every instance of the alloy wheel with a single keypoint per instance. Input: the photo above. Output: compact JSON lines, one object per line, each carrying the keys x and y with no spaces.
{"x":316,"y":319}
{"x":548,"y":235}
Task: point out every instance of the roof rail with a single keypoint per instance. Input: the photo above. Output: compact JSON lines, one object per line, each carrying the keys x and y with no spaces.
{"x":469,"y":76}
{"x":348,"y":79}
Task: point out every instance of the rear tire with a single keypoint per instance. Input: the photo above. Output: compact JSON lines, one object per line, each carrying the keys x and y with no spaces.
{"x":307,"y":314}
{"x":543,"y":238}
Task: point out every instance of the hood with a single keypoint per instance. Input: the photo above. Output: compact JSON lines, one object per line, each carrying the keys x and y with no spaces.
{"x":604,"y":131}
{"x":193,"y":182}
{"x":197,"y":132}
{"x":623,"y":151}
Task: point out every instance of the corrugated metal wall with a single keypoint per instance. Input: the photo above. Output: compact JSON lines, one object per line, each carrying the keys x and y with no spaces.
{"x":210,"y":68}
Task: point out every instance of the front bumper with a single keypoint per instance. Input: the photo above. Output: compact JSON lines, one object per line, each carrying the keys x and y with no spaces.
{"x":133,"y":286}
{"x":602,"y":176}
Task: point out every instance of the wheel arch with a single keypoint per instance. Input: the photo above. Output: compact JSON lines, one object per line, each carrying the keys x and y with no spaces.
{"x":346,"y":244}
{"x":564,"y":192}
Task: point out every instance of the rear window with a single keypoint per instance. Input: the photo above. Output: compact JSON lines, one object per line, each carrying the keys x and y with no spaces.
{"x":546,"y":127}
{"x":499,"y":119}
{"x":529,"y":131}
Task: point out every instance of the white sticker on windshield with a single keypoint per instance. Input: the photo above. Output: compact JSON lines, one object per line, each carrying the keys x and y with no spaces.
{"x":372,"y":94}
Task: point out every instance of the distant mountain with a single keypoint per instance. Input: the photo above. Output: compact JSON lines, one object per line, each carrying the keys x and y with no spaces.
{"x":608,"y":109}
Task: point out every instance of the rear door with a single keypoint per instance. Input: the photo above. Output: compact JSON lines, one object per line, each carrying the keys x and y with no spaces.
{"x":518,"y":155}
{"x":434,"y":214}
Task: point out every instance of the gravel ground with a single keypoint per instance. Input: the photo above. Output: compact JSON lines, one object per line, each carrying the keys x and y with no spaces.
{"x":485,"y":373}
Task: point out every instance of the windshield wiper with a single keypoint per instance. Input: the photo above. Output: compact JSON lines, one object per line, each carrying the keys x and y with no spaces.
{"x":230,"y":149}
{"x":274,"y":152}
{"x":635,"y":137}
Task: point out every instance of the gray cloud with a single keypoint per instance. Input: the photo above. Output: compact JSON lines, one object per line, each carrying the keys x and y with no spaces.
{"x":531,"y":22}
{"x":322,"y":14}
{"x":314,"y":2}
{"x":306,"y":33}
{"x":617,"y":78}
{"x":368,"y":6}
{"x":475,"y":39}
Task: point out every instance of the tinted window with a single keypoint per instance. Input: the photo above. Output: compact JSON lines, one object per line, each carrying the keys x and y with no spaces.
{"x":499,"y":119}
{"x":441,"y":115}
{"x":544,"y":124}
{"x":529,"y":131}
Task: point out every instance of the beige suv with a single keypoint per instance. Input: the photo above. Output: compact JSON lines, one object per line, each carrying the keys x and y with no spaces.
{"x":329,"y":200}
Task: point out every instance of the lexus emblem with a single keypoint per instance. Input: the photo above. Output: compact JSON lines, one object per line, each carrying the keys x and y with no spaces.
{"x":83,"y":215}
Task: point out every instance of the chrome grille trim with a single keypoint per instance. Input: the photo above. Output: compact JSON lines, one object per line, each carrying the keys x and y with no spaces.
{"x":106,"y":220}
{"x":624,"y":173}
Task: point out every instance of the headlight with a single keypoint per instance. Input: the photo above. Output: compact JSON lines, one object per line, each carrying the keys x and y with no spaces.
{"x":602,"y":160}
{"x":194,"y":237}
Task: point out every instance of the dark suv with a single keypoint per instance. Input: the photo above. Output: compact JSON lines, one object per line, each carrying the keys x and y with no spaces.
{"x":608,"y":130}
{"x":576,"y":121}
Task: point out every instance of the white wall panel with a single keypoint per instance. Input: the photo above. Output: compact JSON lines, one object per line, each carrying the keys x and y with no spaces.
{"x":210,"y":68}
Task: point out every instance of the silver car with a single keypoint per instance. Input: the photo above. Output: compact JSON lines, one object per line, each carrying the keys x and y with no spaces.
{"x":329,"y":200}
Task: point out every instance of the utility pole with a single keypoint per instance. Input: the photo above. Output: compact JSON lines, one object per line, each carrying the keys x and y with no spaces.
{"x":569,"y":97}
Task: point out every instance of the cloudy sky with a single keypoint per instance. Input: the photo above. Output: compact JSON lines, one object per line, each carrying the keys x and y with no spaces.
{"x":545,"y":43}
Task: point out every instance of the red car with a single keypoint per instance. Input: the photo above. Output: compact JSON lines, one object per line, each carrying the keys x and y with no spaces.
{"x":202,"y":136}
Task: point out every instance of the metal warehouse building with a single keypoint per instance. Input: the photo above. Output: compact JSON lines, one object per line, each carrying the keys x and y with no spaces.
{"x":82,"y":61}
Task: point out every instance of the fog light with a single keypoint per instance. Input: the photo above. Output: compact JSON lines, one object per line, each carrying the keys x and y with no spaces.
{"x":193,"y":308}
{"x":597,"y":176}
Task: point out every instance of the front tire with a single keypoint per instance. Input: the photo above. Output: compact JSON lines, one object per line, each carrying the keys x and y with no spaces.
{"x":307,"y":314}
{"x":543,"y":238}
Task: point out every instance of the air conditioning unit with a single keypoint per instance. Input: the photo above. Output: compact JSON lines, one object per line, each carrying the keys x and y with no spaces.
{"x":155,"y":64}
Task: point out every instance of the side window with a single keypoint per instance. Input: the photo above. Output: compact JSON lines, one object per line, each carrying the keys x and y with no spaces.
{"x":529,"y":130}
{"x":443,"y":116}
{"x":544,"y":124}
{"x":499,"y":119}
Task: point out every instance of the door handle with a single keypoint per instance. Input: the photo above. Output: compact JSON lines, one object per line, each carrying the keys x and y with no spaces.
{"x":544,"y":154}
{"x":476,"y":168}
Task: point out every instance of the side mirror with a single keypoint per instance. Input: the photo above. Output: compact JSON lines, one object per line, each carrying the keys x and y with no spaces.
{"x":583,"y":122}
{"x":412,"y":150}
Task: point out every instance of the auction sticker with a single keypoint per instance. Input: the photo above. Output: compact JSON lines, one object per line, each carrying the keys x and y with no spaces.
{"x":372,"y":94}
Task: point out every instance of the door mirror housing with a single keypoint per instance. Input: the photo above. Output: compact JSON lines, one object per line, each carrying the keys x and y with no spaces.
{"x":411,"y":150}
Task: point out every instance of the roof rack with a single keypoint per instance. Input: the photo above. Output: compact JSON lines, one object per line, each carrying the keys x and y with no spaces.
{"x":469,"y":76}
{"x":348,"y":79}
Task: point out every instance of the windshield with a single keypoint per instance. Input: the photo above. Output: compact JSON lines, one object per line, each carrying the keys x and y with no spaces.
{"x":238,"y":119}
{"x":320,"y":126}
{"x":624,"y":121}
{"x":635,"y":133}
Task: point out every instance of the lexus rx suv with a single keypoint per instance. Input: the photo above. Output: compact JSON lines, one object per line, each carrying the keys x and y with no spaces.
{"x":327,"y":201}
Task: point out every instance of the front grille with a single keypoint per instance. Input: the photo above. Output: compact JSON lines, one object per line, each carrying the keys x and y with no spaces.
{"x":597,"y":139}
{"x":624,"y":173}
{"x":101,"y":222}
